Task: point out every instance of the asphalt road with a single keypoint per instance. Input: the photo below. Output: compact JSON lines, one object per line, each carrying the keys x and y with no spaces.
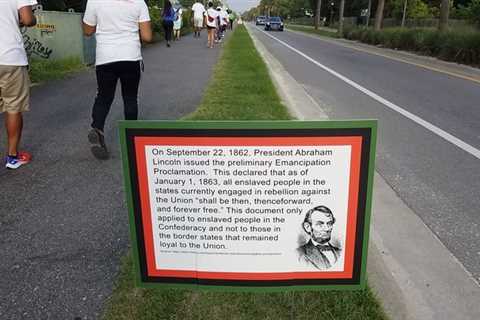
{"x":63,"y":217}
{"x":437,"y":179}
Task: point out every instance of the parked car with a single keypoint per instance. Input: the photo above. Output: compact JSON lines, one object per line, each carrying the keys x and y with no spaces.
{"x":274,"y":23}
{"x":260,"y":20}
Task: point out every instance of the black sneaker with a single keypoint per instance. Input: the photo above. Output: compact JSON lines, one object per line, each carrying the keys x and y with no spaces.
{"x":99,"y":148}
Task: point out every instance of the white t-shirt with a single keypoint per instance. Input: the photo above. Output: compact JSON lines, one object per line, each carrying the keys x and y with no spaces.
{"x":117,"y":32}
{"x":223,"y":17}
{"x":12,"y":51}
{"x":198,"y":10}
{"x":211,"y":13}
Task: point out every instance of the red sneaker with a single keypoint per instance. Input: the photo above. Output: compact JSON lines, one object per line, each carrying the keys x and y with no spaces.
{"x":24,"y":156}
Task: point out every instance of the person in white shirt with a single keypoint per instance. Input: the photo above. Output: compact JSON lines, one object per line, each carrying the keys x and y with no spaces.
{"x":118,"y":25}
{"x":198,"y":12}
{"x":211,"y":17}
{"x":222,"y":23}
{"x":177,"y":24}
{"x":14,"y":79}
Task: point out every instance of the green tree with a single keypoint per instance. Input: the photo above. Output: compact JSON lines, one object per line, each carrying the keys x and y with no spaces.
{"x":470,"y":12}
{"x":416,"y":9}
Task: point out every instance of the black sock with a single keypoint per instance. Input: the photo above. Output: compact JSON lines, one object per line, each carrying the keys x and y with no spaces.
{"x":15,"y":157}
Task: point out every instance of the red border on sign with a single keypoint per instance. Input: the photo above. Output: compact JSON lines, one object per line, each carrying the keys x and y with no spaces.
{"x":354,"y":141}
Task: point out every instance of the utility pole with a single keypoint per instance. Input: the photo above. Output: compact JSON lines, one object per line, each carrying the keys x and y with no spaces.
{"x":331,"y":14}
{"x":379,"y":14}
{"x":317,"y":14}
{"x":368,"y":13}
{"x":340,"y":18}
{"x":404,"y":13}
{"x":444,"y":12}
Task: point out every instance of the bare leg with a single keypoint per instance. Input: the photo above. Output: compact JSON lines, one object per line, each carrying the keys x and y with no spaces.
{"x":14,"y":125}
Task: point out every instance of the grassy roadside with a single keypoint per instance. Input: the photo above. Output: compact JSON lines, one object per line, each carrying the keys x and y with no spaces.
{"x":309,"y":29}
{"x":239,"y":90}
{"x":456,"y":45}
{"x":43,"y":70}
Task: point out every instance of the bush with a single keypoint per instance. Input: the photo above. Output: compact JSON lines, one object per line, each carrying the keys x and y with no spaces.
{"x":462,"y":46}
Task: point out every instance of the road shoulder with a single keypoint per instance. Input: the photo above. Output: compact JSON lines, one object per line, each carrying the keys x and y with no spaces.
{"x":413,"y":273}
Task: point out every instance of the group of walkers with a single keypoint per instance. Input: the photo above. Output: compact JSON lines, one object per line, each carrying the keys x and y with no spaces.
{"x":119,"y":27}
{"x":215,"y":19}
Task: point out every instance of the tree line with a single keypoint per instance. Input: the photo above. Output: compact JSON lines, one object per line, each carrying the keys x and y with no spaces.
{"x":399,"y":9}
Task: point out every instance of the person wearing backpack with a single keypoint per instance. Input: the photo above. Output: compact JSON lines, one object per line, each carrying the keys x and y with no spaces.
{"x":211,"y":16}
{"x":169,"y":16}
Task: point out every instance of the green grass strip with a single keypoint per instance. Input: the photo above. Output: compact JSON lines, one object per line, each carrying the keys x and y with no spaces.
{"x":131,"y":303}
{"x":240,"y":89}
{"x":44,"y":70}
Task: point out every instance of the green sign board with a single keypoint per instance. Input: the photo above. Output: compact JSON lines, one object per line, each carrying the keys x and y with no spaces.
{"x":249,"y":205}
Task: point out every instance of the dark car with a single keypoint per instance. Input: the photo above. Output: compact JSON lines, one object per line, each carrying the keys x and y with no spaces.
{"x":274,"y":23}
{"x":260,"y":20}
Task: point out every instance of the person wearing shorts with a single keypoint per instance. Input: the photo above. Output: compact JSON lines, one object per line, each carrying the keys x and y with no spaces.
{"x":198,"y":12}
{"x":211,"y":17}
{"x":14,"y":79}
{"x":177,"y":24}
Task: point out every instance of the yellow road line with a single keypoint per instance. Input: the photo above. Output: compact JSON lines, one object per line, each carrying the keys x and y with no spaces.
{"x":453,"y":74}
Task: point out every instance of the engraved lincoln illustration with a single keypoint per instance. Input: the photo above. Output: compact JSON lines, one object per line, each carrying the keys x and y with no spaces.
{"x":319,"y":251}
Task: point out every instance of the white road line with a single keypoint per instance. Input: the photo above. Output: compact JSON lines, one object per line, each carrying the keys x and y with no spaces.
{"x":442,"y":133}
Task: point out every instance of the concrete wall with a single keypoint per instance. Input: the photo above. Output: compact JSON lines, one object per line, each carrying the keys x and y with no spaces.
{"x":58,"y":35}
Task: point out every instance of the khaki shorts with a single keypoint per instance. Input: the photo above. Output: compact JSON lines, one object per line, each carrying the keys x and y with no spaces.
{"x":14,"y":89}
{"x":198,"y":22}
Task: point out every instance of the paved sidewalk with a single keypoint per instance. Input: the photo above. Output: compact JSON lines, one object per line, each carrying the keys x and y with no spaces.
{"x":63,"y":218}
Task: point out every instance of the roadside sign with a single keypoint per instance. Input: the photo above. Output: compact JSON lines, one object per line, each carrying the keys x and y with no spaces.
{"x":249,"y":205}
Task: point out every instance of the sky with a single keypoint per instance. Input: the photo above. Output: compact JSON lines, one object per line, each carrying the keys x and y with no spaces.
{"x":241,"y":5}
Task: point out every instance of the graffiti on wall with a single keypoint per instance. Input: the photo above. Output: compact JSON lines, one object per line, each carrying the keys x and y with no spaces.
{"x":46,"y":29}
{"x":35,"y":47}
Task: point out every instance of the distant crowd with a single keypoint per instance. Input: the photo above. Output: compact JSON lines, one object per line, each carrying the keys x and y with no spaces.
{"x":119,"y":27}
{"x":216,"y":20}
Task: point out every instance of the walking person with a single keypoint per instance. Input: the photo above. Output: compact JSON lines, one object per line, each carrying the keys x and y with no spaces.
{"x":118,"y":27}
{"x":177,"y":24}
{"x":231,"y":18}
{"x":14,"y":79}
{"x":219,"y":34}
{"x":211,"y":17}
{"x":223,"y":22}
{"x":198,"y":14}
{"x":168,"y":19}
